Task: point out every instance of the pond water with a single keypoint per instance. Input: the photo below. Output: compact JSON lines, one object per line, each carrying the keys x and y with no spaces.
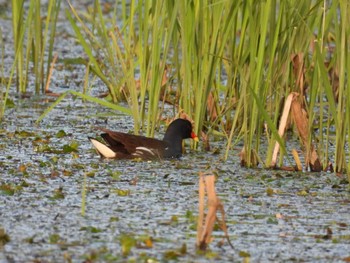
{"x":147,"y":210}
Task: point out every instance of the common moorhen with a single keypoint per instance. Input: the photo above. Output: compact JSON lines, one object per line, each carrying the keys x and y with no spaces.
{"x":127,"y":146}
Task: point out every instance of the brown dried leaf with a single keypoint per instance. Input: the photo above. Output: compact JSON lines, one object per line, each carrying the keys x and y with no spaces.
{"x":301,"y":120}
{"x":333,"y":74}
{"x":299,"y":71}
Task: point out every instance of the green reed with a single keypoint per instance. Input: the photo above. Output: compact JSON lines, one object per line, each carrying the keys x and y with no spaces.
{"x":134,"y":54}
{"x":39,"y":38}
{"x":18,"y":33}
{"x":112,"y":63}
{"x":154,"y":58}
{"x":2,"y":76}
{"x":204,"y":32}
{"x":265,"y":74}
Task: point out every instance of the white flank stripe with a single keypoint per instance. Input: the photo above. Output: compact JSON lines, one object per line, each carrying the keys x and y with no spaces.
{"x":141,"y":149}
{"x":137,"y":153}
{"x":104,"y":150}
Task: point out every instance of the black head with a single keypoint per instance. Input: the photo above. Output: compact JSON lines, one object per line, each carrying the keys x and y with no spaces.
{"x":179,"y":128}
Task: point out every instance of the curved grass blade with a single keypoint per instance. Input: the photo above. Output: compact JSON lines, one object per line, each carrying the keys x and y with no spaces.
{"x":85,"y":97}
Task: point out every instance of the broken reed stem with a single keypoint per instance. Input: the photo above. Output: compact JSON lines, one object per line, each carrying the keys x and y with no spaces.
{"x":297,"y":160}
{"x":201,"y":208}
{"x":210,"y":219}
{"x":205,"y":228}
{"x":222,"y":223}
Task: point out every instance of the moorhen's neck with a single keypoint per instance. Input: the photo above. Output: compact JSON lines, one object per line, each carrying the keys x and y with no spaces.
{"x":174,"y":146}
{"x":177,"y":131}
{"x":174,"y":140}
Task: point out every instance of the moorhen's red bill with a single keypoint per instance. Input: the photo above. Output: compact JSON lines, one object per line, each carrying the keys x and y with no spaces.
{"x":127,"y":146}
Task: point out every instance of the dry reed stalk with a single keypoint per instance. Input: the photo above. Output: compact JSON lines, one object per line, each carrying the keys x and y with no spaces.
{"x":205,"y":227}
{"x":282,"y":126}
{"x":294,"y":106}
{"x":52,"y":66}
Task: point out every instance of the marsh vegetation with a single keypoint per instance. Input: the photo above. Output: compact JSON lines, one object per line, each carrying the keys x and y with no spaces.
{"x":265,"y":80}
